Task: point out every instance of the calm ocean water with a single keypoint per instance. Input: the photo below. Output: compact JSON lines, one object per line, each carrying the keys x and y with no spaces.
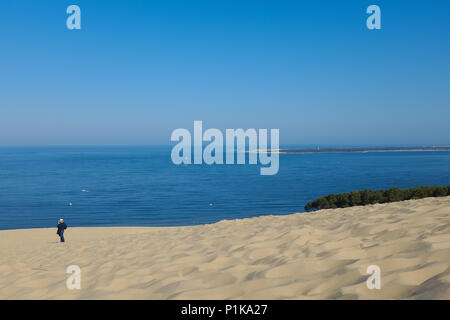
{"x":139,"y":186}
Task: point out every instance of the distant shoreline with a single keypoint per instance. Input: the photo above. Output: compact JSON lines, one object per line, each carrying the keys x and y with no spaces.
{"x":353,"y":150}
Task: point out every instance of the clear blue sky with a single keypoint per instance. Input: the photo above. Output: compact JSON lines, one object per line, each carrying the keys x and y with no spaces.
{"x":139,"y":69}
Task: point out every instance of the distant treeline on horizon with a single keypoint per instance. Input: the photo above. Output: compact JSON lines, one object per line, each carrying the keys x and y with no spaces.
{"x":365,"y":197}
{"x":364,"y":149}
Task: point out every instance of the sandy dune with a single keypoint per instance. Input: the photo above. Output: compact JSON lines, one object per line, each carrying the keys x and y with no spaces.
{"x":317,"y":255}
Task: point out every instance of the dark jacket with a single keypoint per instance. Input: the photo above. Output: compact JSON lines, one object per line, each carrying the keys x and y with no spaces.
{"x":61,"y":228}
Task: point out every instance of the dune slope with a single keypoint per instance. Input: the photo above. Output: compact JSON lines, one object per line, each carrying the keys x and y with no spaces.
{"x":324,"y":254}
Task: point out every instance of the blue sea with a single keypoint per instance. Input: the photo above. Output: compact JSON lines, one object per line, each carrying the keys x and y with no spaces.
{"x":140,"y":186}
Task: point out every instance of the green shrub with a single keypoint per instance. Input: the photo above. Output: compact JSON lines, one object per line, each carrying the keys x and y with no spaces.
{"x":440,"y":192}
{"x":357,"y":198}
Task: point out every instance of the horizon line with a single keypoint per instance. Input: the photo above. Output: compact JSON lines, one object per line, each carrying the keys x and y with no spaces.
{"x":281,"y":146}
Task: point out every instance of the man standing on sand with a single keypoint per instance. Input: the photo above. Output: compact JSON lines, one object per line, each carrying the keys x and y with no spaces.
{"x":61,"y":227}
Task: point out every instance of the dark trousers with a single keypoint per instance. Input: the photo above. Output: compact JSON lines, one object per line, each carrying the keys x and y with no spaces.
{"x":61,"y":235}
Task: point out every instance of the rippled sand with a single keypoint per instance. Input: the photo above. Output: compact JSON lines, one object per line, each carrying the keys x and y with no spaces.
{"x":317,"y":255}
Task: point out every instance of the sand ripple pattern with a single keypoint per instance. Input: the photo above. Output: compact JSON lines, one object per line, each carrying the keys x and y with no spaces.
{"x":320,"y":255}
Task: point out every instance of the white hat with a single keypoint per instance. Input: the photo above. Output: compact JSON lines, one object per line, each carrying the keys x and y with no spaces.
{"x":61,"y":220}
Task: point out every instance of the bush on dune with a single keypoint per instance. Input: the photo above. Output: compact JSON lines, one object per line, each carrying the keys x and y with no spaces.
{"x":360,"y":198}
